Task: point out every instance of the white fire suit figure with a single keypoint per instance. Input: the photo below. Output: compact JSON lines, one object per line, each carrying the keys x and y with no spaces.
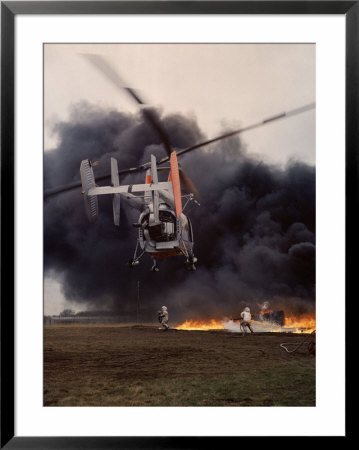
{"x":163,"y":317}
{"x":246,"y":320}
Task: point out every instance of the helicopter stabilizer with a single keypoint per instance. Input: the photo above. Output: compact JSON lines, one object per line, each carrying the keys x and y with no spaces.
{"x":116,"y":200}
{"x":154,"y":217}
{"x":176,"y":184}
{"x":90,"y":190}
{"x":88,"y":182}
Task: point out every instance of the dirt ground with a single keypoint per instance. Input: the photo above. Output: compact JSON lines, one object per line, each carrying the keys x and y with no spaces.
{"x":108,"y":365}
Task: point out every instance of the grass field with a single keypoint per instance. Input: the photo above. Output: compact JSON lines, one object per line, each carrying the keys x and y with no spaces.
{"x":108,"y":365}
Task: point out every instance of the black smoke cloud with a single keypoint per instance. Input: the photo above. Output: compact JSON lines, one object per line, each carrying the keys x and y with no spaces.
{"x":254,"y":231}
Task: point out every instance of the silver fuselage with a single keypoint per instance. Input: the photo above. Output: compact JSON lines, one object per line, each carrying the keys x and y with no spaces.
{"x":168,"y":236}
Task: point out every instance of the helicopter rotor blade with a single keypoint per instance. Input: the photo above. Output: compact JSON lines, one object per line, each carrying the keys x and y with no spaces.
{"x":112,"y":75}
{"x":61,"y":189}
{"x":103,"y":66}
{"x":70,"y":187}
{"x":271,"y":119}
{"x":188,"y":185}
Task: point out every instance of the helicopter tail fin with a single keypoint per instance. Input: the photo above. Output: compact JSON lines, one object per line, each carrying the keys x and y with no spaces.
{"x":176,"y":184}
{"x":116,"y":197}
{"x":154,"y":220}
{"x":88,"y":182}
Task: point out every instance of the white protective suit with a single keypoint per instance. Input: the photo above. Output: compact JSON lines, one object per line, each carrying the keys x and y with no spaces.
{"x":163,"y":315}
{"x":246,"y":320}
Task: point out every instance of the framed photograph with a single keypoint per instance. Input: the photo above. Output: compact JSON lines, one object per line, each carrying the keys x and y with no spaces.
{"x":177,"y":182}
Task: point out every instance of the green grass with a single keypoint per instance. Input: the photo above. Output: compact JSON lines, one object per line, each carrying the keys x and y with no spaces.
{"x":134,"y":367}
{"x":279,"y":386}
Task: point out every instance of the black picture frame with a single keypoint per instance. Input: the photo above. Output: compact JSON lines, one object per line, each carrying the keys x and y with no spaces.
{"x":9,"y":10}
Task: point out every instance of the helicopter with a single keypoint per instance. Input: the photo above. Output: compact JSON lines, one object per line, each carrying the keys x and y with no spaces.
{"x":164,"y":230}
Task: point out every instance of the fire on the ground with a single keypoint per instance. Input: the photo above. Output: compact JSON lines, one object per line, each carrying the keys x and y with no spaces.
{"x":266,"y":321}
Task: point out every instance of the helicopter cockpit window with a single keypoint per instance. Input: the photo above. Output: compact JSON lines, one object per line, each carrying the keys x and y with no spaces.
{"x":163,"y":232}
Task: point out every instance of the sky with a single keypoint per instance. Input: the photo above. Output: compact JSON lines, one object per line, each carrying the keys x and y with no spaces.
{"x":221,"y":85}
{"x":214,"y":87}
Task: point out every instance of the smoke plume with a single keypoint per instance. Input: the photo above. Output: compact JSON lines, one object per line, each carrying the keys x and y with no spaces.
{"x":254,"y":231}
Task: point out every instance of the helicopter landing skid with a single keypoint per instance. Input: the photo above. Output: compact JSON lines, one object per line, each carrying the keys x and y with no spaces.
{"x":155,"y":267}
{"x":135,"y":261}
{"x":190,"y":262}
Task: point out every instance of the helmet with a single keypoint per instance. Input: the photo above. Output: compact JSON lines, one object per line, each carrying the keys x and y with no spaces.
{"x":164,"y":308}
{"x":247,"y":309}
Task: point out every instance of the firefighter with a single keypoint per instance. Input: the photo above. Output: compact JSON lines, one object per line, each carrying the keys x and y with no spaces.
{"x":163,"y":317}
{"x":246,"y":320}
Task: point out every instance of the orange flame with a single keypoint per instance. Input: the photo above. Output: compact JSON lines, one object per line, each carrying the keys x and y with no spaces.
{"x":201,"y":325}
{"x":300,"y":324}
{"x":292,"y":324}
